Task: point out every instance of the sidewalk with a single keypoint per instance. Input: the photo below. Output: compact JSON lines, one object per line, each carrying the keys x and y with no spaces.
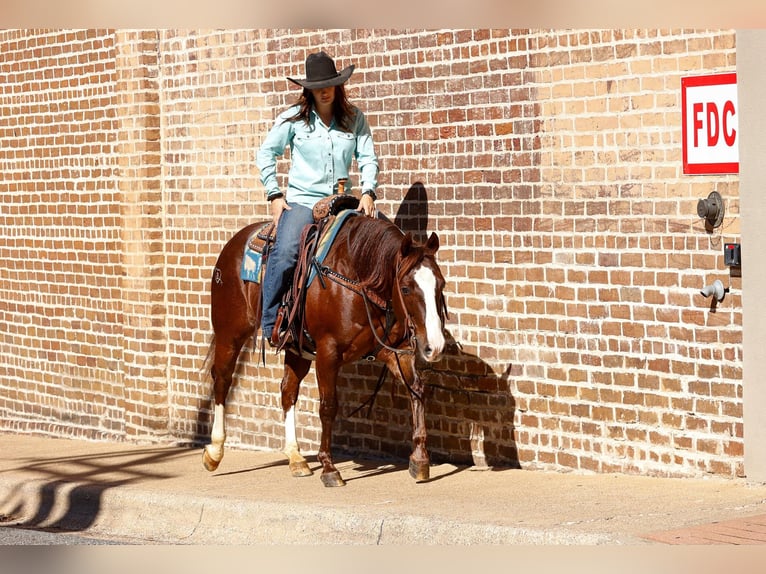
{"x":163,"y":495}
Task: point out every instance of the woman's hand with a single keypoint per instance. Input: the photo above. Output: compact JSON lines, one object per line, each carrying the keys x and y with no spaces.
{"x":277,"y":206}
{"x":367,"y":205}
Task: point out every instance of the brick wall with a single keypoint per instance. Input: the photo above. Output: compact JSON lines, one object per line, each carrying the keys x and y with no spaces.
{"x":60,"y":271}
{"x":548,"y":162}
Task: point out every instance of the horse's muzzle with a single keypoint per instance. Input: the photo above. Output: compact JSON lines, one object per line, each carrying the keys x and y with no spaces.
{"x":431,"y":352}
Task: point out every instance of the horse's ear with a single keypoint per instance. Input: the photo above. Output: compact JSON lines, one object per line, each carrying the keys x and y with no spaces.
{"x":406,"y":245}
{"x":433,"y":242}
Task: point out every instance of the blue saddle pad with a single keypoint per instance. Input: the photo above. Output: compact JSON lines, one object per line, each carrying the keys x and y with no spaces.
{"x":252,"y":267}
{"x":252,"y":261}
{"x":326,"y":241}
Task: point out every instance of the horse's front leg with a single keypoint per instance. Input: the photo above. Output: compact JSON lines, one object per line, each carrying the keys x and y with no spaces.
{"x":296,"y":369}
{"x":403,"y":368}
{"x":420,"y":463}
{"x":327,"y":367}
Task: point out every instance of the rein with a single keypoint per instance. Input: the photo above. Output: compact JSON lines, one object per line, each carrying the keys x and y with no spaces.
{"x":349,"y":283}
{"x":389,"y":324}
{"x":409,"y":331}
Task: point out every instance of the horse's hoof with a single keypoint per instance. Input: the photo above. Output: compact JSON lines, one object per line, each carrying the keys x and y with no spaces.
{"x":300,"y":468}
{"x":332,"y":479}
{"x":420,"y":471}
{"x":208,"y":462}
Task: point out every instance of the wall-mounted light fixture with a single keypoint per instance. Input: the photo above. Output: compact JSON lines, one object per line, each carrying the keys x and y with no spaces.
{"x":716,"y":288}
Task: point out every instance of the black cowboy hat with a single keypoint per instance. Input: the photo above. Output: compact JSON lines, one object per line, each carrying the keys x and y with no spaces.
{"x":321,"y":72}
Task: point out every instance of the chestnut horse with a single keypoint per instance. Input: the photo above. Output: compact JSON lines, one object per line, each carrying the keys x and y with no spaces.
{"x":379,"y":295}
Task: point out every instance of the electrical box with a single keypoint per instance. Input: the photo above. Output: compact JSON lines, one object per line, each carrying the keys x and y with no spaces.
{"x":732,"y":254}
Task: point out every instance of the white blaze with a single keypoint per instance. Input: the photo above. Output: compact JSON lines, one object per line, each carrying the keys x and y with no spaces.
{"x":426,"y":280}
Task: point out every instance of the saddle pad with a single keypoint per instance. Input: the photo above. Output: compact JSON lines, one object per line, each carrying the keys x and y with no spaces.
{"x":327,"y":239}
{"x":252,"y":268}
{"x":252,"y":261}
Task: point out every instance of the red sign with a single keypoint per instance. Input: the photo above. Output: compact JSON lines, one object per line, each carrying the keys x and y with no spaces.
{"x":709,"y":124}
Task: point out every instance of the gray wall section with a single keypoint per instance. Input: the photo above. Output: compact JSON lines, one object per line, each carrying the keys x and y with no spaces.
{"x":751,"y":94}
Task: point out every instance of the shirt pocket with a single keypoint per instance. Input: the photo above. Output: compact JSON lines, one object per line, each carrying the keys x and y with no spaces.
{"x":303,"y":139}
{"x":344,"y":144}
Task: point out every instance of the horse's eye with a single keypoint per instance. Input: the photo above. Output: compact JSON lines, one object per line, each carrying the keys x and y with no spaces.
{"x":405,"y":290}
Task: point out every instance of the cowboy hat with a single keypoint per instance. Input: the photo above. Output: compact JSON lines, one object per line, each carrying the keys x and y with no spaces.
{"x":321,"y":73}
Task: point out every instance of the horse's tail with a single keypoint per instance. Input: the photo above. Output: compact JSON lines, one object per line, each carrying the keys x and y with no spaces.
{"x":205,"y":368}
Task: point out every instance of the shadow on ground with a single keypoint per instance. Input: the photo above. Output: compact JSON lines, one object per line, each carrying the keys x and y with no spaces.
{"x":69,"y":490}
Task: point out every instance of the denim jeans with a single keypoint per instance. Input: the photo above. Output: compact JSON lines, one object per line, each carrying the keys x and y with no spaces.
{"x":281,"y":262}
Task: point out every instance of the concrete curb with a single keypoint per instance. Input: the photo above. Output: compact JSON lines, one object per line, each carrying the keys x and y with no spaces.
{"x":167,"y":518}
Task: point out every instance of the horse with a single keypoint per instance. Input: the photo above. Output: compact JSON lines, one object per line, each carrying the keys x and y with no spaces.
{"x":380,"y":296}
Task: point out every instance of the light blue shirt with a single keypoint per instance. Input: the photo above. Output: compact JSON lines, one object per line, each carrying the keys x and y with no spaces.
{"x":320,"y":156}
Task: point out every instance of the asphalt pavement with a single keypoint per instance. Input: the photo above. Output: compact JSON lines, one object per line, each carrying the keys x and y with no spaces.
{"x":11,"y":536}
{"x":162,"y":495}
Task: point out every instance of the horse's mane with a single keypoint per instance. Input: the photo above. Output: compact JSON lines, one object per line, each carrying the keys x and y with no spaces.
{"x":374,"y":246}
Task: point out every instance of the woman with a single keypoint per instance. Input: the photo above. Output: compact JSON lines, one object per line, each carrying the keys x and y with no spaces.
{"x":325,"y":133}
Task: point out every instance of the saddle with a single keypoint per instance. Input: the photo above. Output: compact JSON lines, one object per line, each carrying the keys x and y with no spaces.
{"x":323,"y":210}
{"x":262,"y":239}
{"x":289,"y":328}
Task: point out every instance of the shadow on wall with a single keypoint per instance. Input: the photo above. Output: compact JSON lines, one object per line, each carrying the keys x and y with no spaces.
{"x":469,"y":412}
{"x":469,"y":409}
{"x":412,"y":215}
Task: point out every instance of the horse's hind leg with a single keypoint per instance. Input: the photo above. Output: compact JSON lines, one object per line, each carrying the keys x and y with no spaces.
{"x":224,"y":363}
{"x":296,"y":369}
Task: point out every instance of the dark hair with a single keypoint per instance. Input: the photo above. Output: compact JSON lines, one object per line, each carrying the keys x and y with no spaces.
{"x":342,"y":110}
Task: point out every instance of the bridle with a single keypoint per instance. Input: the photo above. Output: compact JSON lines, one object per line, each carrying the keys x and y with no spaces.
{"x":397,"y":299}
{"x":409,"y":332}
{"x":390,"y":308}
{"x":409,"y":327}
{"x":355,"y":286}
